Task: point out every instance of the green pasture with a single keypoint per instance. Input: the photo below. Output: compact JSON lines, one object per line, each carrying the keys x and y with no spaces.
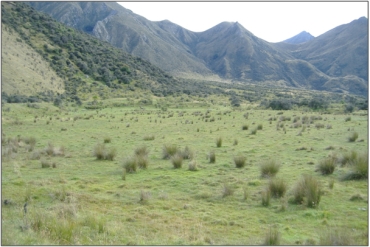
{"x":80,"y":200}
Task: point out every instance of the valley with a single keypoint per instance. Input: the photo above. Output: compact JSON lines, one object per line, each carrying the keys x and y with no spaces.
{"x":102,"y":147}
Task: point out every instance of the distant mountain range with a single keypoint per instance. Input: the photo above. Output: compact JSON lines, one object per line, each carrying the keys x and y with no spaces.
{"x":335,"y":61}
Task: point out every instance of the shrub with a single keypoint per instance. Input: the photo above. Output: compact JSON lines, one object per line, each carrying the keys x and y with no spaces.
{"x":327,"y":166}
{"x":177,"y":160}
{"x":239,"y":161}
{"x":277,"y":187}
{"x":259,"y":126}
{"x":245,"y":127}
{"x":269,"y":168}
{"x":266,"y":196}
{"x":107,"y":139}
{"x":307,"y":188}
{"x":168,"y":151}
{"x":235,"y":142}
{"x":353,"y":137}
{"x":272,"y":237}
{"x":212,"y":157}
{"x":227,"y":190}
{"x":219,"y":142}
{"x":193,"y":166}
{"x":347,"y":119}
{"x":130,"y":164}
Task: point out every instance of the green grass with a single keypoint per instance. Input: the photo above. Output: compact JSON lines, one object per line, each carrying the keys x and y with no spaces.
{"x":86,"y":201}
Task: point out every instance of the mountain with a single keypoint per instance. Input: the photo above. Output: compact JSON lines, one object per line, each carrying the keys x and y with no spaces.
{"x":46,"y":60}
{"x":299,"y":38}
{"x":227,"y":51}
{"x":342,"y":51}
{"x":134,"y":34}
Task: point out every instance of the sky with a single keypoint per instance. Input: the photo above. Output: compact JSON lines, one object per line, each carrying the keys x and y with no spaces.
{"x":271,"y":21}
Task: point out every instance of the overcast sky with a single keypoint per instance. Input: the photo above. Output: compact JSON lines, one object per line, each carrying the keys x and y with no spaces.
{"x":271,"y":21}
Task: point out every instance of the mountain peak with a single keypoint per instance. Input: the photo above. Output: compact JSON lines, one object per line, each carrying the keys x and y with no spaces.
{"x":299,"y":38}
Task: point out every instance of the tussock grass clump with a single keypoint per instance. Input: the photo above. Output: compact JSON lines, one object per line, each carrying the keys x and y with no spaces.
{"x":348,"y":158}
{"x":227,"y":190}
{"x":101,"y":153}
{"x":36,"y":155}
{"x":269,"y":168}
{"x":347,"y":119}
{"x":145,"y":196}
{"x":149,"y":138}
{"x":142,"y":161}
{"x":193,"y":166}
{"x":259,"y":127}
{"x":245,"y":193}
{"x":336,"y":237}
{"x":239,"y":161}
{"x":212,"y":157}
{"x":359,"y":168}
{"x":254,"y":131}
{"x":169,"y":150}
{"x":45,"y":164}
{"x":187,"y":153}
{"x":110,"y":154}
{"x":51,"y":150}
{"x":277,"y":187}
{"x":331,"y":184}
{"x":327,"y":166}
{"x":177,"y":160}
{"x":272,"y":237}
{"x":219,"y":142}
{"x":107,"y":139}
{"x":353,"y":137}
{"x":130,"y":164}
{"x":141,"y":151}
{"x":235,"y":142}
{"x":307,"y":190}
{"x":265,"y":197}
{"x":245,"y":127}
{"x":29,"y":140}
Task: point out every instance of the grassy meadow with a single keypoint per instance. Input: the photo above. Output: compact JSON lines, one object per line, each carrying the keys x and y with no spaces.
{"x":109,"y":177}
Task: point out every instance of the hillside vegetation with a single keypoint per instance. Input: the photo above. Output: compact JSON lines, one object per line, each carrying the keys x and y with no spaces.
{"x":24,"y":71}
{"x":84,"y":63}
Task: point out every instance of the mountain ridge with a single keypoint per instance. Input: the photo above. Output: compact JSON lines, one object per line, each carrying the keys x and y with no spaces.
{"x":227,"y":51}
